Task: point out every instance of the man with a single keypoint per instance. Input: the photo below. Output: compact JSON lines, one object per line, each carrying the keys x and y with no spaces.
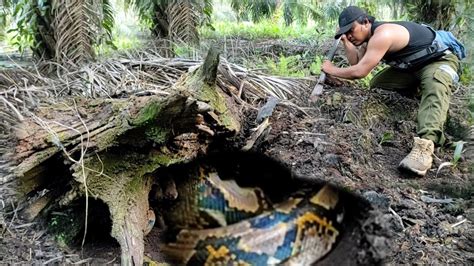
{"x":415,"y":62}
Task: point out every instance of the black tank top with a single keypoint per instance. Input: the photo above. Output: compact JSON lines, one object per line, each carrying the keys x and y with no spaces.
{"x":420,"y":38}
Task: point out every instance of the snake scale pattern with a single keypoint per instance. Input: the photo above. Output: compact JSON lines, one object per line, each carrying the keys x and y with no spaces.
{"x":218,"y":222}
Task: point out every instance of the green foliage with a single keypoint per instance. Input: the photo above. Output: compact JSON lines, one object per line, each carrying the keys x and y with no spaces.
{"x":301,"y":12}
{"x":467,"y":74}
{"x":65,"y":227}
{"x":5,"y":16}
{"x":315,"y":67}
{"x":108,"y":22}
{"x":177,"y":19}
{"x":184,"y":50}
{"x":292,"y":10}
{"x":35,"y":27}
{"x":147,"y":9}
{"x":31,"y":17}
{"x":254,"y":10}
{"x":470,"y":105}
{"x":365,"y":82}
{"x":386,"y":137}
{"x":458,"y":148}
{"x":265,"y":29}
{"x":446,"y":15}
{"x":369,"y":6}
{"x":285,"y":66}
{"x":119,"y":43}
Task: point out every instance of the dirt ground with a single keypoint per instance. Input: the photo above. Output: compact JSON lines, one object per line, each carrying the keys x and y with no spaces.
{"x":342,"y":141}
{"x":351,"y":137}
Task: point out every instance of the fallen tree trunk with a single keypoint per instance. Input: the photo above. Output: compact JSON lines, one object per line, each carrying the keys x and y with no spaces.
{"x":108,"y":149}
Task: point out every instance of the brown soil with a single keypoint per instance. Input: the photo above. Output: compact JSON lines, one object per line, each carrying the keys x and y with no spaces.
{"x":341,"y":142}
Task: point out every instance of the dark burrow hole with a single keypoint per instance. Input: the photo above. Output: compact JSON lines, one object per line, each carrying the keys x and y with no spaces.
{"x":67,"y":227}
{"x":50,"y":175}
{"x":43,"y":186}
{"x":253,"y":170}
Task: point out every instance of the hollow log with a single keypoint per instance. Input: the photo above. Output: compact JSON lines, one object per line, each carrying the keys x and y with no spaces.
{"x":109,"y":149}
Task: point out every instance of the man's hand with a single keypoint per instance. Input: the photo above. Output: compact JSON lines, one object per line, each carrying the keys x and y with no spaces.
{"x":346,"y":42}
{"x":330,"y":80}
{"x":327,"y":67}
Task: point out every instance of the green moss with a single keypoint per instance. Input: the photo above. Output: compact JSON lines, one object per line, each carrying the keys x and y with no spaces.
{"x":164,"y":159}
{"x":157,"y":134}
{"x":124,"y":178}
{"x":218,"y":102}
{"x":134,"y":185}
{"x":119,"y":169}
{"x":148,"y":113}
{"x":119,"y":106}
{"x":211,"y":95}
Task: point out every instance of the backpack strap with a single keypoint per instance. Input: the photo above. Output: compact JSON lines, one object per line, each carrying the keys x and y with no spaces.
{"x":436,"y":49}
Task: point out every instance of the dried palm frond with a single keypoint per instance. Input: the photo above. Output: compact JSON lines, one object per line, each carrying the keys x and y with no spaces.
{"x":76,"y":24}
{"x":128,"y":76}
{"x":184,"y":20}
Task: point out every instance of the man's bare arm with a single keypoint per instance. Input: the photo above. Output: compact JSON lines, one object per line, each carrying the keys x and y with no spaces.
{"x":376,"y":49}
{"x":353,"y":53}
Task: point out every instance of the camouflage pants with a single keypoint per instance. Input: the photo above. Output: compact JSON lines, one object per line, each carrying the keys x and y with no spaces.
{"x":436,"y":81}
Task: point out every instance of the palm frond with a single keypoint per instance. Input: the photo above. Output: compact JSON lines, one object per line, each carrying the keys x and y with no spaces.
{"x":5,"y":12}
{"x":184,"y":20}
{"x":287,"y":13}
{"x":254,"y":9}
{"x":134,"y":74}
{"x":262,"y":9}
{"x":445,"y":15}
{"x":76,"y":24}
{"x":206,"y":10}
{"x":108,"y":19}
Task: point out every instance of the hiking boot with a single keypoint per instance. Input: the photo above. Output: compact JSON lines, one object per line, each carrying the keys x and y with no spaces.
{"x":420,"y":158}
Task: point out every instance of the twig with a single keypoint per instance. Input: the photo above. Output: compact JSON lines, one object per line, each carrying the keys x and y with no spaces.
{"x":83,"y":152}
{"x":112,"y":260}
{"x":51,"y":260}
{"x":82,"y":261}
{"x":258,"y":132}
{"x":308,"y":133}
{"x":458,"y":223}
{"x":19,"y":115}
{"x":23,"y":225}
{"x":398,"y":217}
{"x":13,"y":218}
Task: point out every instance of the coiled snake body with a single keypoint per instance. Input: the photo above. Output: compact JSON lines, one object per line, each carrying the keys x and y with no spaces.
{"x":217,"y":222}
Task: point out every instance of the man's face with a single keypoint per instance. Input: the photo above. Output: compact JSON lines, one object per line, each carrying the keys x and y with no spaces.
{"x":356,"y":34}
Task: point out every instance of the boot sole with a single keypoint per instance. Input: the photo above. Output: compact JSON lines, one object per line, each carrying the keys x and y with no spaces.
{"x":414,"y":171}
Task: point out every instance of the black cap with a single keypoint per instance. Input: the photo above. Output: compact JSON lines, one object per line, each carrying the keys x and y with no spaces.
{"x":347,"y":16}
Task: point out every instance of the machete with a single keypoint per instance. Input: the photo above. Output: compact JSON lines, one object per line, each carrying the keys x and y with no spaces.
{"x":318,"y":89}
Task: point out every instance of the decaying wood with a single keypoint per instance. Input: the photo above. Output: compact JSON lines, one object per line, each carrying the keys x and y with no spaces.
{"x":110,"y":148}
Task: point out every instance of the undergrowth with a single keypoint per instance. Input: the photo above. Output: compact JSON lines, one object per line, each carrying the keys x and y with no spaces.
{"x":286,"y":66}
{"x":265,"y":29}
